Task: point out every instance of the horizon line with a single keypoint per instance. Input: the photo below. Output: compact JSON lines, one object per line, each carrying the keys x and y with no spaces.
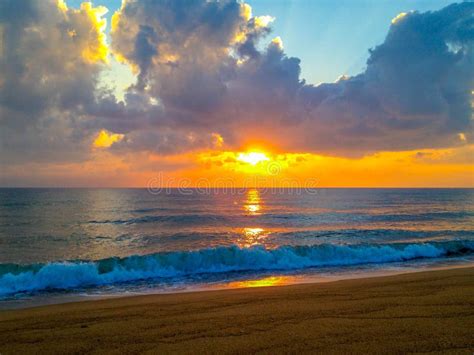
{"x":236,"y":187}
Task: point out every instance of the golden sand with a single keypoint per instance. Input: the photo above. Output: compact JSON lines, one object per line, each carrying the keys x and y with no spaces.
{"x":420,"y":312}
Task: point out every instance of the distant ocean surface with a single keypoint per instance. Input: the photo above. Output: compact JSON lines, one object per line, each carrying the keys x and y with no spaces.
{"x":57,"y":242}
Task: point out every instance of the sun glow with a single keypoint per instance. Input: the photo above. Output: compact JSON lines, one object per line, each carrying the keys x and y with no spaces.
{"x":252,"y":158}
{"x":253,"y":202}
{"x":251,"y":162}
{"x":422,"y":167}
{"x":252,"y":236}
{"x":264,"y":282}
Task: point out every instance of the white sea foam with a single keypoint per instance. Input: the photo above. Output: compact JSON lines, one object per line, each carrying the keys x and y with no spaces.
{"x":74,"y":274}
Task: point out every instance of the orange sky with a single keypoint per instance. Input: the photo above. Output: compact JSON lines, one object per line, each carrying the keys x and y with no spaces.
{"x":217,"y":102}
{"x":420,"y":168}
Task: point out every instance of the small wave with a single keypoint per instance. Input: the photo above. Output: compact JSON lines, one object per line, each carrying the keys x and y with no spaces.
{"x":174,"y":219}
{"x":294,"y":218}
{"x":74,"y":274}
{"x":151,"y":209}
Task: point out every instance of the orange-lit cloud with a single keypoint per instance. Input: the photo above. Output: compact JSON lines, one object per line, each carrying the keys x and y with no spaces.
{"x":217,"y":75}
{"x":105,"y":139}
{"x":215,"y":99}
{"x":399,"y":17}
{"x":251,"y":161}
{"x":430,"y":167}
{"x":97,"y":49}
{"x":95,"y":44}
{"x":420,"y":168}
{"x":51,"y":57}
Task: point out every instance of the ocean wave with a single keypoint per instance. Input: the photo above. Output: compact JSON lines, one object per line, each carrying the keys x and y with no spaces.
{"x":296,"y":218}
{"x":174,"y":219}
{"x":66,"y":275}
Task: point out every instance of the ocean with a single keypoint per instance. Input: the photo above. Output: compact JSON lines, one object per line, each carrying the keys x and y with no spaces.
{"x":60,"y":244}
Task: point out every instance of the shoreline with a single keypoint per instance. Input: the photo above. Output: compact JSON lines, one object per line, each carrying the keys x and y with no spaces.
{"x":281,"y":280}
{"x":409,"y":312}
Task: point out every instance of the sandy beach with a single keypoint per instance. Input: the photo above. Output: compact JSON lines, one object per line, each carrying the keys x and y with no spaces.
{"x":411,"y":313}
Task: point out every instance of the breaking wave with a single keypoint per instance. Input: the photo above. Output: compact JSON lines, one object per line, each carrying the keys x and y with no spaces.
{"x":65,"y":275}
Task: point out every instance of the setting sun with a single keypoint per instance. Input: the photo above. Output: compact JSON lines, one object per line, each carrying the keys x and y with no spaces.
{"x":252,"y":158}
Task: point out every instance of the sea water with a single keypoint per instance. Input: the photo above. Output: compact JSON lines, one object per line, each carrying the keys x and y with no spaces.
{"x":80,"y":242}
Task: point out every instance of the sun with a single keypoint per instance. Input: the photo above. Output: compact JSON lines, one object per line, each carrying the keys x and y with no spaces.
{"x":252,"y":158}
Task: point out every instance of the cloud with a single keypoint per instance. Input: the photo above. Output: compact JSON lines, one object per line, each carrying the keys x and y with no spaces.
{"x":105,"y":139}
{"x":414,"y":93}
{"x":203,"y":64}
{"x":50,"y":57}
{"x":178,"y":46}
{"x":207,"y":69}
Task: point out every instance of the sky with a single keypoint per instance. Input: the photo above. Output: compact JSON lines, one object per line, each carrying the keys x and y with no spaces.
{"x":352,"y":93}
{"x":328,"y":36}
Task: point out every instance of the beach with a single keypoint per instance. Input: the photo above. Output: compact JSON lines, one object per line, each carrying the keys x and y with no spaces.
{"x":430,"y":311}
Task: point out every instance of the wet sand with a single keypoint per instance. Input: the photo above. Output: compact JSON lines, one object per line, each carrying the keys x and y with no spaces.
{"x":412,"y":313}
